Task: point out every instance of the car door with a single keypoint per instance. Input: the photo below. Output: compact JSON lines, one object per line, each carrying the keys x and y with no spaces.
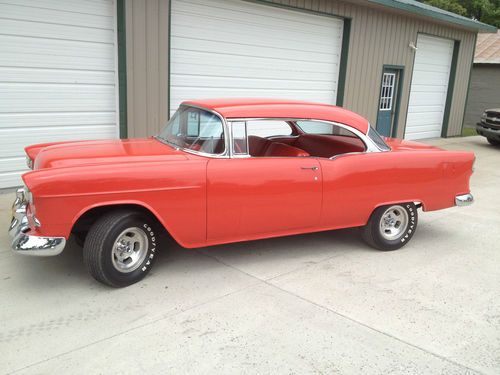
{"x":260,"y":197}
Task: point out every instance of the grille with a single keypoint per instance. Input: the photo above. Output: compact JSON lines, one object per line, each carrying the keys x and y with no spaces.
{"x":492,"y":119}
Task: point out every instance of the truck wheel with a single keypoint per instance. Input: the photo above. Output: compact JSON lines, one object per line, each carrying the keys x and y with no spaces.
{"x":391,"y":227}
{"x":120,"y":247}
{"x":493,"y":142}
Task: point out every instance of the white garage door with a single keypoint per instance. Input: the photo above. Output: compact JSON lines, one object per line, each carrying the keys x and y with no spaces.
{"x":57,"y":76}
{"x":231,"y":48}
{"x":429,"y":86}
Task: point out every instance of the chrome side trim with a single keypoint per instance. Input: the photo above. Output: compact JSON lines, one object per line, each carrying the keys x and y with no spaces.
{"x":464,"y":200}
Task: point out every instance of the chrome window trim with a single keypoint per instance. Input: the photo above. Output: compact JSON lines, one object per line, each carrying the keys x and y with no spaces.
{"x":370,"y":145}
{"x":225,"y":128}
{"x":234,"y":154}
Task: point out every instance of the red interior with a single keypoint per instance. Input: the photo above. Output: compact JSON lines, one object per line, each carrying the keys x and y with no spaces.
{"x":324,"y":146}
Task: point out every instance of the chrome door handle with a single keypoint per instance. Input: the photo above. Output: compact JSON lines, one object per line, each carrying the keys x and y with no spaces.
{"x":312,"y":168}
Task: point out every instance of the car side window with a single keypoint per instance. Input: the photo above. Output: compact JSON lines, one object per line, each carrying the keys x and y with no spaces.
{"x":323,"y":128}
{"x":195,"y":129}
{"x":268,"y":128}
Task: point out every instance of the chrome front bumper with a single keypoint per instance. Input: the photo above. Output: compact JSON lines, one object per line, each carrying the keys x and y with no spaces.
{"x":464,"y":200}
{"x":24,"y":243}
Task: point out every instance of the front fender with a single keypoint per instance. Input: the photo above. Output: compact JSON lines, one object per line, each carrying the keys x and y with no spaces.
{"x":174,"y":191}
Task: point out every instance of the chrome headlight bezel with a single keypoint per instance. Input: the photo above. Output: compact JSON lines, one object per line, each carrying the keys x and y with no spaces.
{"x":29,"y":162}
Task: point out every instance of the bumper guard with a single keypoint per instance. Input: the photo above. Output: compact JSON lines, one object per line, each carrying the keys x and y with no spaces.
{"x":464,"y":200}
{"x":27,"y":244}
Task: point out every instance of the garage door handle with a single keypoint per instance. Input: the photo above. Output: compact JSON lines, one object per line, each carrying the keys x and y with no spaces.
{"x":313,"y":168}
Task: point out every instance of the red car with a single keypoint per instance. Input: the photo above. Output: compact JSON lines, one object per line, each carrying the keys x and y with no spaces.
{"x":228,"y":170}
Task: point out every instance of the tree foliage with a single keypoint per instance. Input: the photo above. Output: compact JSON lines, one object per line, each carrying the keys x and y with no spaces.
{"x":487,"y":11}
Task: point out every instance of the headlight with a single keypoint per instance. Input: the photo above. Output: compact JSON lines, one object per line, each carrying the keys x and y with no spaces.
{"x":484,"y":115}
{"x":29,"y":162}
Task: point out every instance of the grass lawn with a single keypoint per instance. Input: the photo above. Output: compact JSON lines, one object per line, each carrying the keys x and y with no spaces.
{"x":466,"y":132}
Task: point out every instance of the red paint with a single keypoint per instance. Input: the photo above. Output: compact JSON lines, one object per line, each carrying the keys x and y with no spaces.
{"x":205,"y":201}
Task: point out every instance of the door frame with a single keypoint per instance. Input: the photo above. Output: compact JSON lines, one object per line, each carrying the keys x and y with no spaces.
{"x":451,"y":89}
{"x":399,"y":90}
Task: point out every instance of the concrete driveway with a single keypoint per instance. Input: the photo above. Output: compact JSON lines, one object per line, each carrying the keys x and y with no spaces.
{"x":320,"y":303}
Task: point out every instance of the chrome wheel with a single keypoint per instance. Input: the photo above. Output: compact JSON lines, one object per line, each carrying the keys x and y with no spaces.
{"x":130,"y":249}
{"x":393,"y":223}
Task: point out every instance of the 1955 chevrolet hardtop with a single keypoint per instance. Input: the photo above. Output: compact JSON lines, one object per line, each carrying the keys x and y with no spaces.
{"x":228,"y":170}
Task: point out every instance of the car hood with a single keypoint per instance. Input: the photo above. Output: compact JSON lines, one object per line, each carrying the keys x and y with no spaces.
{"x":402,"y":145}
{"x":68,"y":154}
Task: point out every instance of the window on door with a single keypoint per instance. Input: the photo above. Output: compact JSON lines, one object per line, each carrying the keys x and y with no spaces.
{"x":387,"y":91}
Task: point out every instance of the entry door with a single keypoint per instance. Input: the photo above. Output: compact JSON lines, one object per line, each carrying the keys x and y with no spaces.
{"x":387,"y":104}
{"x":258,"y":196}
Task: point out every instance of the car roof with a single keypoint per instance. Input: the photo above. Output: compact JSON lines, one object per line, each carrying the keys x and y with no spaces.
{"x":281,"y":108}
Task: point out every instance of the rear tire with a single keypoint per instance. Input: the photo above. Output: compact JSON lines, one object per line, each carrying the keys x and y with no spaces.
{"x":391,"y":227}
{"x":120,"y":247}
{"x":493,"y":142}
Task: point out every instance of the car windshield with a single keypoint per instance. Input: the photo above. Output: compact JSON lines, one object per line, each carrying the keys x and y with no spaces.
{"x":194,"y":129}
{"x":377,"y":139}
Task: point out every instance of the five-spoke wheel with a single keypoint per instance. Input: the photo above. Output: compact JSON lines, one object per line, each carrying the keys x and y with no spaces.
{"x":120,"y":247}
{"x":391,"y":227}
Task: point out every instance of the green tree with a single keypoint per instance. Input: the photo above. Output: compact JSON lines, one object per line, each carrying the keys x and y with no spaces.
{"x":487,"y":11}
{"x":449,"y":5}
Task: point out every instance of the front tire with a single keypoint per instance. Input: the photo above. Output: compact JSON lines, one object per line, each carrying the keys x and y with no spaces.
{"x":391,"y":227}
{"x":120,"y":247}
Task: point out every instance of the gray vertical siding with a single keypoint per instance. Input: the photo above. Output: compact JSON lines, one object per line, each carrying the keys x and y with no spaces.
{"x":147,"y":65}
{"x":377,"y":37}
{"x":484,"y":92}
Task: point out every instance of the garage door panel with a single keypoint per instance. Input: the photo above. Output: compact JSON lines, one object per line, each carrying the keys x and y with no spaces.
{"x":238,"y":48}
{"x":431,"y":78}
{"x":17,"y":11}
{"x":427,"y":98}
{"x":57,"y":76}
{"x":37,"y":75}
{"x":249,"y":14}
{"x":8,"y":165}
{"x":13,"y":27}
{"x":248,"y":83}
{"x":235,"y":48}
{"x":258,"y":37}
{"x":184,"y":24}
{"x":246,"y":65}
{"x":71,"y":6}
{"x":22,"y":138}
{"x":429,"y":117}
{"x":50,"y":62}
{"x":55,"y":47}
{"x":53,"y":98}
{"x":429,"y":87}
{"x":268,"y":70}
{"x":55,"y":119}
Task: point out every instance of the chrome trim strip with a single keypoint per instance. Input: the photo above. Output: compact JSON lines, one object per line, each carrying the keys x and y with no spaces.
{"x":464,"y":200}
